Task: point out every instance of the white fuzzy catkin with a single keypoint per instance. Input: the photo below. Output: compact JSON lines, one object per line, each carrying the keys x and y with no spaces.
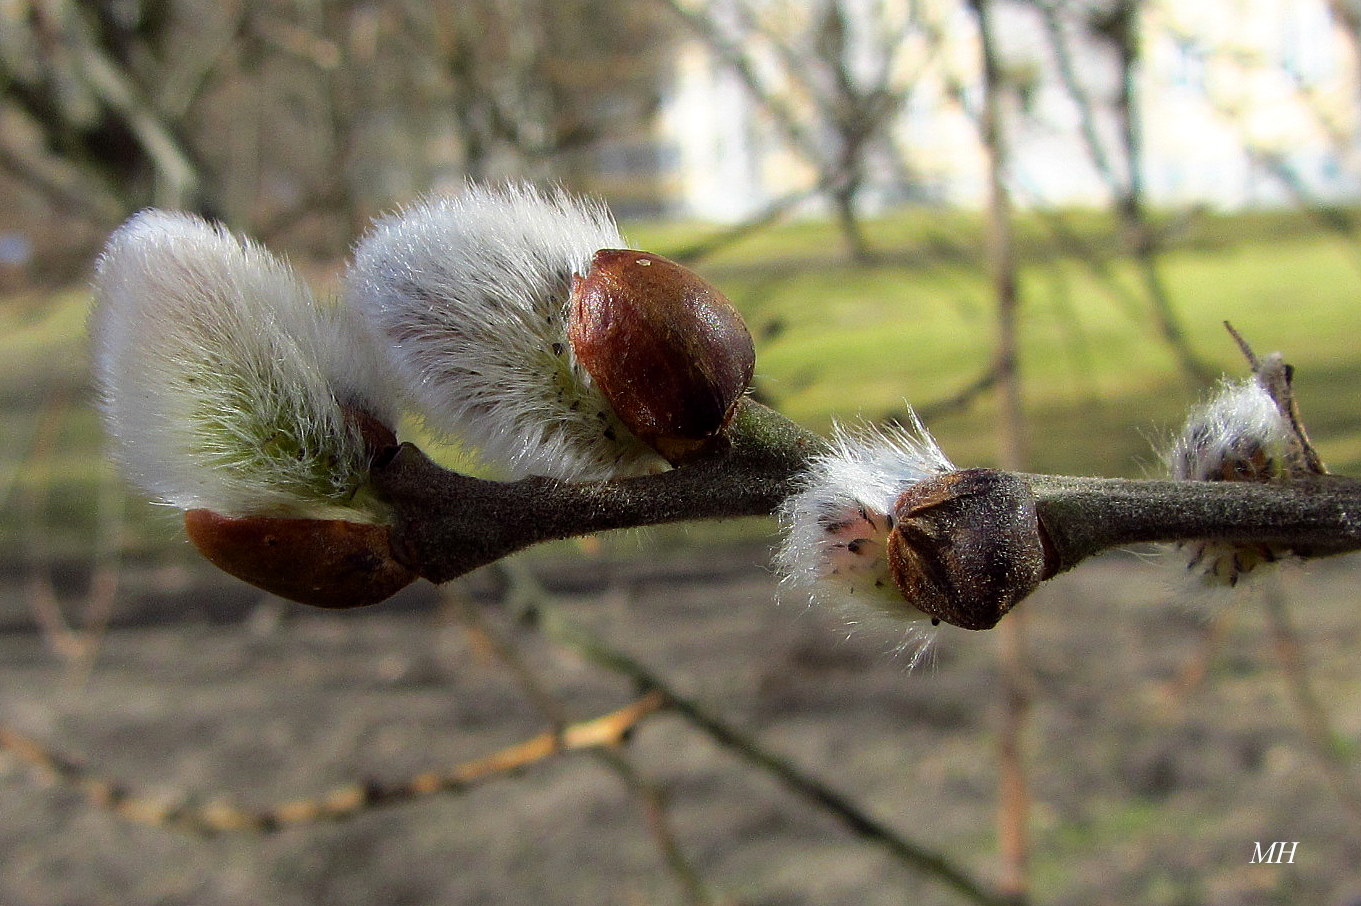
{"x":1238,"y":435}
{"x":836,"y":527}
{"x":221,"y":380}
{"x":470,"y":292}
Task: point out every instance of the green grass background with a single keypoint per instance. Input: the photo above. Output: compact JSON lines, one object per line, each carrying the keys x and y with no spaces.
{"x":836,"y":341}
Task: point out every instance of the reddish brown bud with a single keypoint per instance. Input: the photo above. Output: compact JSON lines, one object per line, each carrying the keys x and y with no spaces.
{"x":668,"y":350}
{"x":322,"y":562}
{"x":377,"y":436}
{"x":966,"y":546}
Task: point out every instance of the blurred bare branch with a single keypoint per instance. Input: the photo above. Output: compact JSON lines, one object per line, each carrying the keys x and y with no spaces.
{"x":650,"y":796}
{"x":1316,"y":724}
{"x":310,"y":118}
{"x":535,"y":604}
{"x":65,"y":187}
{"x":1115,"y":27}
{"x":1013,"y":794}
{"x":830,"y":81}
{"x":72,"y":70}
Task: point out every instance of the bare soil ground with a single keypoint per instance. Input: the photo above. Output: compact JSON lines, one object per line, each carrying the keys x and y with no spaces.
{"x":1143,"y":794}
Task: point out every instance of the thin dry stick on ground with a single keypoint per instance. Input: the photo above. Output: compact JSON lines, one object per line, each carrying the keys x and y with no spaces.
{"x":219,"y":816}
{"x":538,"y":609}
{"x":604,"y":736}
{"x":649,"y":795}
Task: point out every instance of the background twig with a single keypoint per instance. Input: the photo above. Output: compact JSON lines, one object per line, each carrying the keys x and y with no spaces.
{"x":650,"y":797}
{"x":537,"y":605}
{"x":1313,"y":716}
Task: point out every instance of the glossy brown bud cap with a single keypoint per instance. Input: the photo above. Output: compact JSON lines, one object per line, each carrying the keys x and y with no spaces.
{"x":669,"y":352}
{"x":966,"y":546}
{"x":322,"y":562}
{"x":379,"y":439}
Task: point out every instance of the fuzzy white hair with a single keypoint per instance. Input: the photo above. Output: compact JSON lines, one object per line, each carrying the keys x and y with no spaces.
{"x":222,"y":381}
{"x":470,"y":292}
{"x":1239,"y":434}
{"x":1239,"y":424}
{"x":836,"y":527}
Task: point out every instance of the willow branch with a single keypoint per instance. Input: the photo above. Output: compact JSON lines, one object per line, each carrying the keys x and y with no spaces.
{"x":447,"y":524}
{"x":1313,"y":517}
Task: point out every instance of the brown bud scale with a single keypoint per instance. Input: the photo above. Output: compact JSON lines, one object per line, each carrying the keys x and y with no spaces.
{"x":322,"y":562}
{"x":667,"y":349}
{"x":378,"y":438}
{"x":966,"y":546}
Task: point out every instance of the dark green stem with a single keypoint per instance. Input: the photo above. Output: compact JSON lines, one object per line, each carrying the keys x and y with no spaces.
{"x":448,"y":524}
{"x":1085,"y":516}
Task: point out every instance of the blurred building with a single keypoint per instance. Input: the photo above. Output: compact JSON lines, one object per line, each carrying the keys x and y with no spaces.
{"x":300,"y":122}
{"x":1240,"y":103}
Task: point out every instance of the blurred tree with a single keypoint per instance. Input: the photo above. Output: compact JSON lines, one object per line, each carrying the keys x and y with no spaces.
{"x":1347,"y":15}
{"x":831,"y":76}
{"x":1080,"y":34}
{"x":538,"y":81}
{"x":95,"y":97}
{"x":299,"y":120}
